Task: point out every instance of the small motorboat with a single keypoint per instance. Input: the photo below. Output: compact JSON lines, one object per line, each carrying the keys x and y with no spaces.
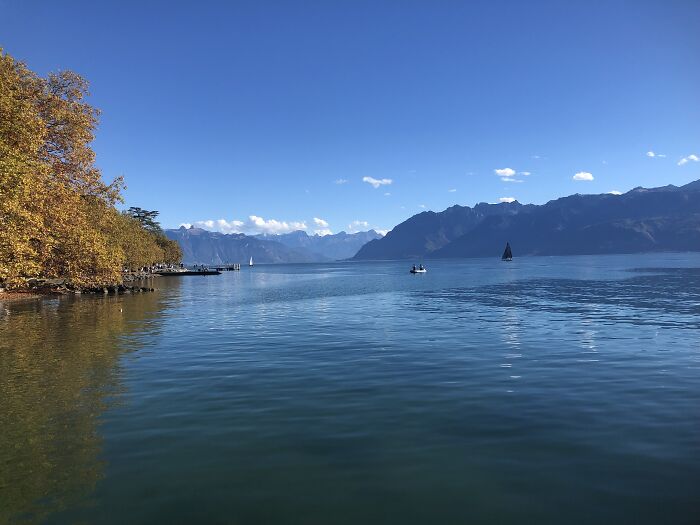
{"x":420,"y":269}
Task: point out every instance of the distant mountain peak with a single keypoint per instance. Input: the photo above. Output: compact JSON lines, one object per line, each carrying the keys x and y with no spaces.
{"x":643,"y":219}
{"x":206,"y":247}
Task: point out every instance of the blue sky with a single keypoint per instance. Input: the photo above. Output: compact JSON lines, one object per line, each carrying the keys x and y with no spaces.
{"x":362,"y":113}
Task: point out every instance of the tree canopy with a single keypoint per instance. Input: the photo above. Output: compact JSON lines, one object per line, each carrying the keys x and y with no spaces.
{"x":146,"y":218}
{"x":57,"y":214}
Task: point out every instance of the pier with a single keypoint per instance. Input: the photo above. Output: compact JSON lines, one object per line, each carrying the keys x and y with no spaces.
{"x":236,"y":267}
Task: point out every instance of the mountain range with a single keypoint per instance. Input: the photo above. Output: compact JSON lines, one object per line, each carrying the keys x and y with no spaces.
{"x":641,"y":220}
{"x":327,"y":247}
{"x":201,"y":246}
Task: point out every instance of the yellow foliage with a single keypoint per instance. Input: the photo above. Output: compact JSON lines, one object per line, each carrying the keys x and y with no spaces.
{"x":57,"y":215}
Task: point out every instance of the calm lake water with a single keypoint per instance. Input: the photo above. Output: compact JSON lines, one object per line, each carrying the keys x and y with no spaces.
{"x":546,"y":390}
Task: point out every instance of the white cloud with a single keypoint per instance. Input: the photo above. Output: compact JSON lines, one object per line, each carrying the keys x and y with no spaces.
{"x":274,"y":226}
{"x":252,"y":226}
{"x":356,"y":226}
{"x":340,"y":181}
{"x":506,"y":199}
{"x":452,"y":190}
{"x":421,"y":206}
{"x":614,"y":192}
{"x":376,"y":182}
{"x":508,"y":174}
{"x":536,"y":157}
{"x":652,"y":154}
{"x":221,"y":225}
{"x":583,"y":176}
{"x":382,"y":232}
{"x":687,"y":159}
{"x":387,"y":194}
{"x":322,"y":227}
{"x":185,"y":224}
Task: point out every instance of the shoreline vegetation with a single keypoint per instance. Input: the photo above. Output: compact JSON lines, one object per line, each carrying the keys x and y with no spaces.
{"x":60,"y":229}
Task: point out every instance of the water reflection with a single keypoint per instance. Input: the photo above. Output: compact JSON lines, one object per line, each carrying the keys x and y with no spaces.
{"x":274,"y":396}
{"x":59,"y":370}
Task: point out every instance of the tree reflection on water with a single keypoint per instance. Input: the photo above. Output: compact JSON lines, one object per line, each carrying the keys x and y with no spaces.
{"x":59,"y":371}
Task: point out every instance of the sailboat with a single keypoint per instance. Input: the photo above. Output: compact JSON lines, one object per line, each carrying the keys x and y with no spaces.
{"x":250,"y":263}
{"x":507,"y":254}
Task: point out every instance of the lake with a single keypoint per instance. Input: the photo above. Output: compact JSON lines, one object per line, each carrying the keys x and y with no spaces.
{"x":546,"y":390}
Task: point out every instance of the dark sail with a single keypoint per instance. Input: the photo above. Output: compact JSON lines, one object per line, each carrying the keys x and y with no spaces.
{"x":507,"y":254}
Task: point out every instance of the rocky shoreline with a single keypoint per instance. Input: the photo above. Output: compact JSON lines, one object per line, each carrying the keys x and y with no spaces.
{"x":42,"y":287}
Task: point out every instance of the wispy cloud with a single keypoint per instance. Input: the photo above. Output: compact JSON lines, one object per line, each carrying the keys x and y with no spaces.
{"x":376,"y":182}
{"x":652,"y":155}
{"x":387,"y":194}
{"x":452,"y":190}
{"x":421,"y":206}
{"x":689,"y":158}
{"x":524,"y":173}
{"x":382,"y":232}
{"x":511,"y":179}
{"x":614,"y":192}
{"x":583,"y":176}
{"x":506,"y":199}
{"x":341,"y":181}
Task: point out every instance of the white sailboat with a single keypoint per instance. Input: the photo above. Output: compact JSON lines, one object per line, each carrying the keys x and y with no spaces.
{"x":250,"y":263}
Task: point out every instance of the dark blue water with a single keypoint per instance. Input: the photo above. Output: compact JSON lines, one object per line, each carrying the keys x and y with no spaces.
{"x":546,"y":390}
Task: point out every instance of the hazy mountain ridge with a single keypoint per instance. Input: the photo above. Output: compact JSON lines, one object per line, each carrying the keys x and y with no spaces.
{"x":338,"y":246}
{"x":201,"y":246}
{"x":641,"y":220}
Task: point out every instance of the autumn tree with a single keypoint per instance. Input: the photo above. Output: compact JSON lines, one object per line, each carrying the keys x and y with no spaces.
{"x":23,"y":177}
{"x":57,"y":214}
